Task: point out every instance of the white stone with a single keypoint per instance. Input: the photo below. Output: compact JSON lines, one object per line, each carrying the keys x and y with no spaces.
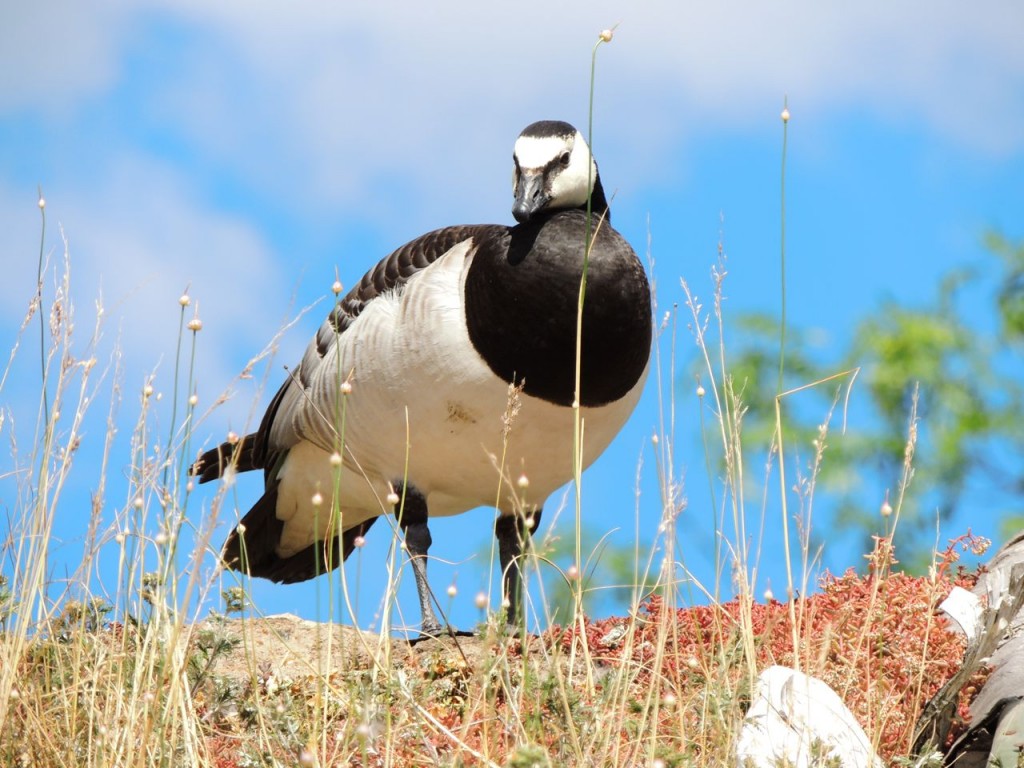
{"x":965,"y":609}
{"x":790,"y":713}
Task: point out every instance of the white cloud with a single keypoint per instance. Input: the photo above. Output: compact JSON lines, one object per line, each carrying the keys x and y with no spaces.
{"x":138,"y":239}
{"x":328,"y":103}
{"x":57,"y":52}
{"x":372,"y":59}
{"x":339,"y":108}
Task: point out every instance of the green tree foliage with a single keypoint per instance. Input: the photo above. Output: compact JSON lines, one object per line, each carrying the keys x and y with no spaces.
{"x":967,"y":371}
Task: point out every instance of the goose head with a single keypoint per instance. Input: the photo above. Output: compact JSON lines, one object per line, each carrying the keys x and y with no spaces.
{"x":554,"y":171}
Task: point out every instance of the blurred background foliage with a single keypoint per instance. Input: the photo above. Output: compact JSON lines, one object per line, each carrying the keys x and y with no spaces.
{"x":969,"y":455}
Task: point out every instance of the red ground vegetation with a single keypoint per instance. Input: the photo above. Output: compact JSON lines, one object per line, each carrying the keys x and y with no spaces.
{"x":877,"y":640}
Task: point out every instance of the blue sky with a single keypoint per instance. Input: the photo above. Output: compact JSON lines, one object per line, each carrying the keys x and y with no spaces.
{"x":250,"y":153}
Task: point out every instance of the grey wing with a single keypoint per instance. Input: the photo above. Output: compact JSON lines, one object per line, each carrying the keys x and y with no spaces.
{"x":280,"y":428}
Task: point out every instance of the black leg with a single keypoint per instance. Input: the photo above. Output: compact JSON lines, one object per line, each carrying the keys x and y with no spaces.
{"x":513,"y":532}
{"x":412,"y":518}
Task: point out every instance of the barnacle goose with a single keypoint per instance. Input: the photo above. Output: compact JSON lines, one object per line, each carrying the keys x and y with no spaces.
{"x":405,"y":393}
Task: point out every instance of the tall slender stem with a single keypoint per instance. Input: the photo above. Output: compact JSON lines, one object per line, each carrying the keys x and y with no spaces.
{"x":39,"y":305}
{"x":782,"y":246}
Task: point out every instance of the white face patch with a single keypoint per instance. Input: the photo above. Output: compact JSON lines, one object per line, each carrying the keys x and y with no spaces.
{"x":567,"y":185}
{"x":534,"y":153}
{"x":570,"y":187}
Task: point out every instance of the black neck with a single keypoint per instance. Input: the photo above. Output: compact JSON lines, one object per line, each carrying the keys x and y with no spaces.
{"x":598,"y":203}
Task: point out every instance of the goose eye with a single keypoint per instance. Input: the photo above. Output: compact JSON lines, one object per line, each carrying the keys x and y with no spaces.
{"x":564,"y":159}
